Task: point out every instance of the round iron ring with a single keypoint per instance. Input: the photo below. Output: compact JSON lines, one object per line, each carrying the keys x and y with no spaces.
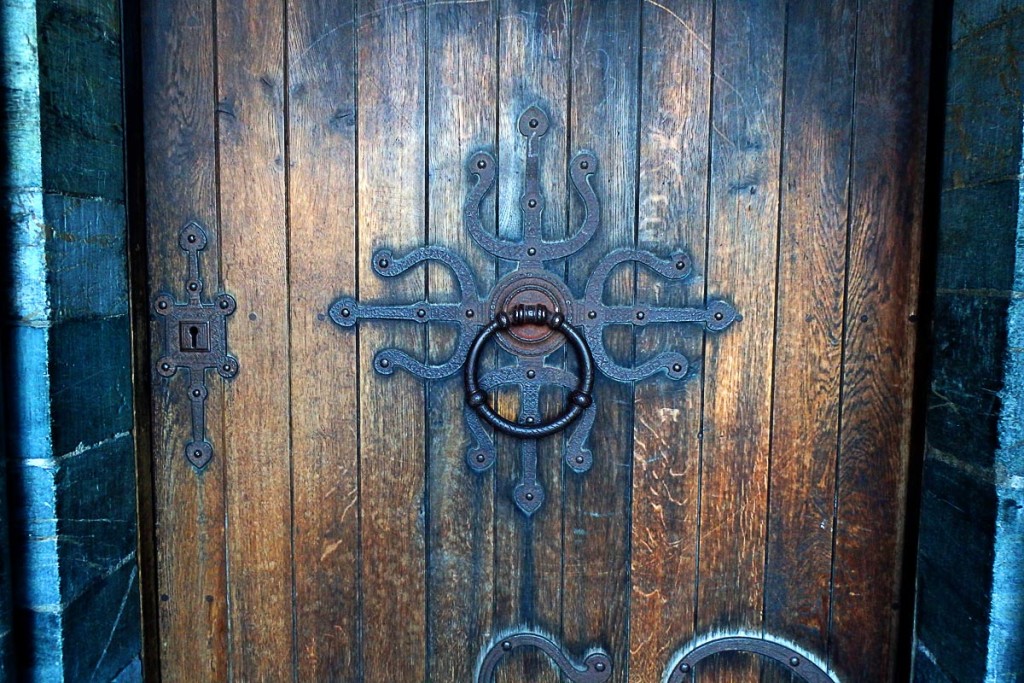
{"x":579,"y":399}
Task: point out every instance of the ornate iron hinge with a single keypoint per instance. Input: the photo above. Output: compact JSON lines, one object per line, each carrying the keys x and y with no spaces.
{"x":530,"y":313}
{"x":803,"y":666}
{"x":195,"y":338}
{"x":596,"y":666}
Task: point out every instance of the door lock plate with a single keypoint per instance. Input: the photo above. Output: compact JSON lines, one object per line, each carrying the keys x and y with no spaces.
{"x":195,"y":338}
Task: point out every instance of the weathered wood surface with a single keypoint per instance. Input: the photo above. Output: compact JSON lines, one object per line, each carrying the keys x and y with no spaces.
{"x":746,"y":137}
{"x":778,"y":143}
{"x":886,"y":185}
{"x":672,"y":205}
{"x":808,"y":340}
{"x":322,"y":115}
{"x":392,"y":206}
{"x":181,"y":173}
{"x":254,"y":257}
{"x":461,"y":120}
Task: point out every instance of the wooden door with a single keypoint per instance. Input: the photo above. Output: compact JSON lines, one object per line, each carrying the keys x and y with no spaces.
{"x":337,"y":532}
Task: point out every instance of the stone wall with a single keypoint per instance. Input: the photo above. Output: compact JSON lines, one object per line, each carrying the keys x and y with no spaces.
{"x":969,"y":611}
{"x":67,"y":344}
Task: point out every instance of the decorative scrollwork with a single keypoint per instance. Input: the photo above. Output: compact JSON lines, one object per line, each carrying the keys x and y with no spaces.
{"x":531,"y":285}
{"x":596,"y":666}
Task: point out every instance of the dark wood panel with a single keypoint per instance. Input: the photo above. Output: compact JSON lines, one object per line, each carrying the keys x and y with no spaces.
{"x":533,"y":68}
{"x":673,"y":145}
{"x":462,"y":90}
{"x":605,"y":55}
{"x":742,"y":243}
{"x":322,"y":265}
{"x":257,"y":454}
{"x":885,"y":195}
{"x":808,"y":352}
{"x":180,"y":97}
{"x":391,"y":209}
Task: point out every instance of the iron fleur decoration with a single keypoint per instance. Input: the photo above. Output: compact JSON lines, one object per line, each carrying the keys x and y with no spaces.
{"x":531,"y":313}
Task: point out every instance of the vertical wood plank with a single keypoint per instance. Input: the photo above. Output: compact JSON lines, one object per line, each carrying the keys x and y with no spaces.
{"x":886,"y":196}
{"x":179,"y":93}
{"x":322,"y":265}
{"x":391,"y":209}
{"x":254,"y":242}
{"x":606,"y":49}
{"x":741,"y":264}
{"x":533,"y":68}
{"x":676,"y":100}
{"x":808,"y":353}
{"x":461,"y":72}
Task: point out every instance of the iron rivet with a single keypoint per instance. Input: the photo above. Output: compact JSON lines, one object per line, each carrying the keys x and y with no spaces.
{"x":480,"y":457}
{"x":532,"y":203}
{"x":579,"y":459}
{"x":584,"y":165}
{"x":481,"y":164}
{"x":534,"y":123}
{"x":193,"y":286}
{"x":680,"y":264}
{"x":165,"y":367}
{"x":191,"y":238}
{"x":420,"y":313}
{"x":506,"y":646}
{"x":592,"y":315}
{"x":197,"y":454}
{"x":477,"y":398}
{"x":385,"y":363}
{"x":345,"y":313}
{"x":794,"y":661}
{"x":531,"y":373}
{"x":864,"y":318}
{"x":197,"y":393}
{"x":531,"y":251}
{"x":599,"y":666}
{"x":528,"y":496}
{"x":677,"y":367}
{"x":383,"y":263}
{"x":640,"y":315}
{"x":224,"y":304}
{"x":685,"y":668}
{"x":530,"y":420}
{"x":227,"y":368}
{"x":719,"y":315}
{"x":162,"y":305}
{"x":469,"y":313}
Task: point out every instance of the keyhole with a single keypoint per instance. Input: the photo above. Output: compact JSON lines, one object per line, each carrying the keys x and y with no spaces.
{"x":193,"y":332}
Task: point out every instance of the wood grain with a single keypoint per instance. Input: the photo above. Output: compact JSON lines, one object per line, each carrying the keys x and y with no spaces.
{"x":322,"y":265}
{"x":179,"y":95}
{"x":461,"y":71}
{"x":808,"y":340}
{"x":885,"y":226}
{"x":533,"y":68}
{"x":391,"y":208}
{"x":674,"y":152}
{"x":742,"y":244}
{"x":606,"y":56}
{"x":251,"y":123}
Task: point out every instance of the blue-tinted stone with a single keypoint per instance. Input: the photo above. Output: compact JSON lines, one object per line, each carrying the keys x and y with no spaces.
{"x":976,"y":242}
{"x":96,"y":520}
{"x":87,"y":257}
{"x":27,"y":420}
{"x":102,"y":634}
{"x":80,"y":98}
{"x":90,"y":368}
{"x":38,"y":637}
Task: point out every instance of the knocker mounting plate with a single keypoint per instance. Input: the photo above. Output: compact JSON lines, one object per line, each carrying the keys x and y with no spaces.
{"x":195,"y":338}
{"x":538,"y":297}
